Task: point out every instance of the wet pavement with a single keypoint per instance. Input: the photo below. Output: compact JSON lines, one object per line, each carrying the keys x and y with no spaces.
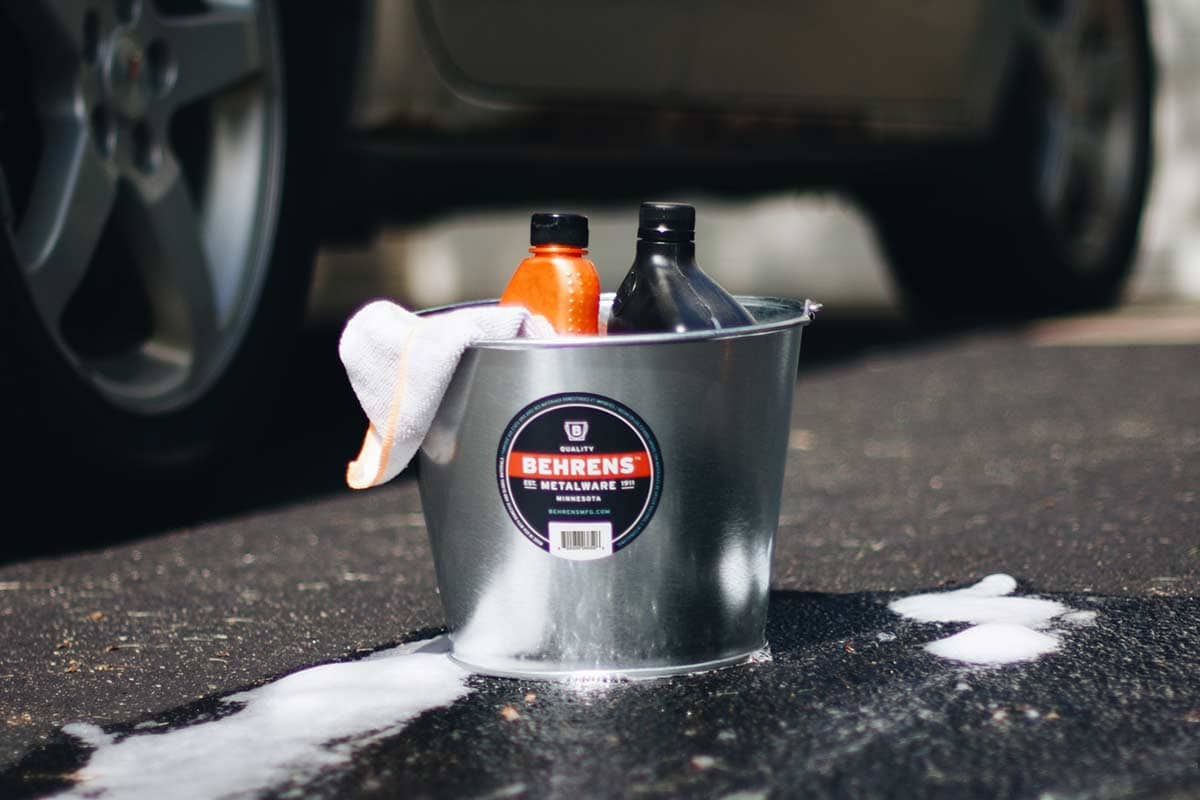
{"x":916,"y":461}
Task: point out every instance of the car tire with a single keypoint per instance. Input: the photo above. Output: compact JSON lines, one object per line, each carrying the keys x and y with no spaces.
{"x":108,"y":371}
{"x":1044,"y":216}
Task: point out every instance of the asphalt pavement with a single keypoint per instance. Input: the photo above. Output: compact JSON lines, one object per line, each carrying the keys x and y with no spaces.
{"x":1063,"y":453}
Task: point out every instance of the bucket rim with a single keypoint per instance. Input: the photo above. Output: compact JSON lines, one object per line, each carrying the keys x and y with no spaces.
{"x":785,"y":313}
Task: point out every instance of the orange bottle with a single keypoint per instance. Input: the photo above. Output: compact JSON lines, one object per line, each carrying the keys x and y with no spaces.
{"x":556,"y":281}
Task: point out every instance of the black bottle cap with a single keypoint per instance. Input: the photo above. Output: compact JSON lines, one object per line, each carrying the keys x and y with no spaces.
{"x":558,"y":228}
{"x":667,"y":222}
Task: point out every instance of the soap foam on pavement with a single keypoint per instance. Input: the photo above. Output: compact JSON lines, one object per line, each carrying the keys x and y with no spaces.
{"x":986,"y":601}
{"x":285,"y":733}
{"x":994,"y":643}
{"x":289,"y":730}
{"x":1006,"y":629}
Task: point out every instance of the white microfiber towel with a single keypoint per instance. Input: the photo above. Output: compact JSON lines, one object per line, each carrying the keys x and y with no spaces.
{"x":399,"y":365}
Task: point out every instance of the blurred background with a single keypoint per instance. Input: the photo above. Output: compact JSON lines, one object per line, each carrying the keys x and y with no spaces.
{"x":817,"y":244}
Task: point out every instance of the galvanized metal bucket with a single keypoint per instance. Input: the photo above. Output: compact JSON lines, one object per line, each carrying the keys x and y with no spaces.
{"x":607,"y":506}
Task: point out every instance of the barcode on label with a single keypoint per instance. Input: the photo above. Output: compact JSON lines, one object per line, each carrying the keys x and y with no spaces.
{"x":581,"y":540}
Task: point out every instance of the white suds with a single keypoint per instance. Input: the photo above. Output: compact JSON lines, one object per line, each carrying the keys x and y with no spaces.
{"x":994,"y":643}
{"x":286,"y":732}
{"x":1006,"y":629}
{"x":986,"y":601}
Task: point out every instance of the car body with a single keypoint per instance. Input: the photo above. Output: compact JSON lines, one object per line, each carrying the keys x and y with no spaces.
{"x":935,"y":69}
{"x":169,"y":167}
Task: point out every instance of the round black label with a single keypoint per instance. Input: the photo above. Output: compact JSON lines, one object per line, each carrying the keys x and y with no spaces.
{"x":580,"y":474}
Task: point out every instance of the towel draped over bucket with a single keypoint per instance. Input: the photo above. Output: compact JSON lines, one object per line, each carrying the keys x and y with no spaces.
{"x":400,"y":364}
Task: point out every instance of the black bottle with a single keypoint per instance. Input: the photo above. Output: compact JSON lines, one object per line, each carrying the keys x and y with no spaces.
{"x":664,"y":290}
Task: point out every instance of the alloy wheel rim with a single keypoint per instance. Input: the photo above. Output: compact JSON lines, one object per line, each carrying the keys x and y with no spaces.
{"x":1088,"y":56}
{"x":110,"y":80}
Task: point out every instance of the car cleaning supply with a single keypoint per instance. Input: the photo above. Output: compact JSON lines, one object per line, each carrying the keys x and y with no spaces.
{"x":665,"y":290}
{"x":400,"y":364}
{"x":556,"y":281}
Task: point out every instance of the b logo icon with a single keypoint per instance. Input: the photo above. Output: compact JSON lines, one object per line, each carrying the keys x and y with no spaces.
{"x":576,"y":431}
